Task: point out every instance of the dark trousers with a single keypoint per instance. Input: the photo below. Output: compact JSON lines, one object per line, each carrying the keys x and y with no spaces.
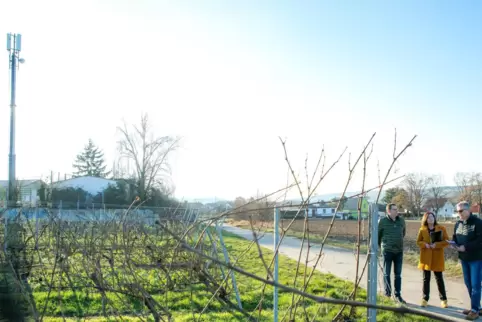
{"x":440,"y":284}
{"x":397,"y":260}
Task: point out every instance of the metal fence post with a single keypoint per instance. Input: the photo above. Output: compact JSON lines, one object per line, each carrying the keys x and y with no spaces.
{"x":373,"y":263}
{"x":198,"y":229}
{"x":184,"y":217}
{"x":215,"y":252}
{"x":276,"y":264}
{"x":36,"y":227}
{"x":226,"y":259}
{"x":5,"y":238}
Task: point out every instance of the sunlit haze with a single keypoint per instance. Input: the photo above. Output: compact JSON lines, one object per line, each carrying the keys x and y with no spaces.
{"x":232,"y":76}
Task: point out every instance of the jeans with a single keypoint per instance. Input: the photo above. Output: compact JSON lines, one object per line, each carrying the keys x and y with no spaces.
{"x":473,"y":279}
{"x":397,"y":260}
{"x":440,"y":284}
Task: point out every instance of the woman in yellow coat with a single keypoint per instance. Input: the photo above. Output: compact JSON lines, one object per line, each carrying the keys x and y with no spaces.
{"x":432,"y":257}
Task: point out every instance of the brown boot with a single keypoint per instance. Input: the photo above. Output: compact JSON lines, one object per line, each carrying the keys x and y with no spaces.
{"x":472,"y":316}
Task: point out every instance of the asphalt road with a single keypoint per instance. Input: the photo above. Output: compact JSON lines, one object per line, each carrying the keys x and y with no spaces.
{"x":341,"y":262}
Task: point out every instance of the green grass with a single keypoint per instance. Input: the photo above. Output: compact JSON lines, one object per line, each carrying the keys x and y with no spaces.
{"x":75,"y":298}
{"x":321,"y":284}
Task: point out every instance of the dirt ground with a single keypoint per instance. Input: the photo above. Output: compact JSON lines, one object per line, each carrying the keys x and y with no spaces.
{"x":343,"y":228}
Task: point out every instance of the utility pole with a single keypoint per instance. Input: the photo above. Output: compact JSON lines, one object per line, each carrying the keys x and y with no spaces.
{"x":14,"y":46}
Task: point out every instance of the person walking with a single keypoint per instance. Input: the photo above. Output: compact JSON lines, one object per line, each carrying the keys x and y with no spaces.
{"x":391,"y":231}
{"x":432,"y":240}
{"x":467,"y":241}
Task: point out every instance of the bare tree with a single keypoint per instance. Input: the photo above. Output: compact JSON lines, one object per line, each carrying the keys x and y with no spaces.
{"x":437,"y":193}
{"x":416,"y":185}
{"x":239,"y":202}
{"x":463,"y":180}
{"x":150,"y":155}
{"x":477,"y":188}
{"x":166,"y":187}
{"x":255,"y":208}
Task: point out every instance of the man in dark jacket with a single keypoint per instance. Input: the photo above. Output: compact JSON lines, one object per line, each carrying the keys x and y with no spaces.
{"x":468,"y":242}
{"x":391,"y":231}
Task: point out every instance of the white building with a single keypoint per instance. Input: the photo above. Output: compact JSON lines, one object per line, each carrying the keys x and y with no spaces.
{"x":445,"y":207}
{"x":92,"y":185}
{"x":447,"y":210}
{"x":322,"y":211}
{"x":28,"y":192}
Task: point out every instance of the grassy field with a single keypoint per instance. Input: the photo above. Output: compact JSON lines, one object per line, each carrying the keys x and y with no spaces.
{"x":321,"y":284}
{"x":101,"y":273}
{"x":344,"y":234}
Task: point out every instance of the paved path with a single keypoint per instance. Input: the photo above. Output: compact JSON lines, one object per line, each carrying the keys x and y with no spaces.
{"x":341,"y":262}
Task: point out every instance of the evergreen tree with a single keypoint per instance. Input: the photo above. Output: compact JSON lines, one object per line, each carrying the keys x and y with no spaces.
{"x":91,"y":162}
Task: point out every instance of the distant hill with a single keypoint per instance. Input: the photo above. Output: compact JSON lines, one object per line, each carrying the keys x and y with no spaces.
{"x":372,"y":195}
{"x":452,"y":191}
{"x":326,"y":197}
{"x":204,"y":200}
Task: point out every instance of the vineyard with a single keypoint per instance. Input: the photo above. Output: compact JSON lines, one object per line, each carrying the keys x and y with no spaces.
{"x":171,"y":270}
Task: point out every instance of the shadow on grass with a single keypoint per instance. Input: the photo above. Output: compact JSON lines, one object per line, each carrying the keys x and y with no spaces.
{"x":322,"y":284}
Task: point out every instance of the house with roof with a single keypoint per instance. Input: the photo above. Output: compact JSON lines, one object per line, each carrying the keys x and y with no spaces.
{"x":28,"y":192}
{"x":447,"y":210}
{"x":290,"y":211}
{"x":351,"y":207}
{"x":92,"y":185}
{"x":442,"y":207}
{"x":80,"y":191}
{"x":321,"y":211}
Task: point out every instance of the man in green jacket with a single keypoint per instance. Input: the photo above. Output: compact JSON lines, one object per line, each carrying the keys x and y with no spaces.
{"x":391,"y":231}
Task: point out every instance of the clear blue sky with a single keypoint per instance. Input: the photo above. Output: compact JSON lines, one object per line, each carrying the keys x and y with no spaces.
{"x":230,"y":76}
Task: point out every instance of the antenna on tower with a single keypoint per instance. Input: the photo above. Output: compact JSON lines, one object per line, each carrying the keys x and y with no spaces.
{"x":9,"y":42}
{"x":18,"y":42}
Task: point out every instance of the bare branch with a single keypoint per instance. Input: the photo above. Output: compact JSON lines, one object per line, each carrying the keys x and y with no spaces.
{"x":318,"y":299}
{"x":150,"y":155}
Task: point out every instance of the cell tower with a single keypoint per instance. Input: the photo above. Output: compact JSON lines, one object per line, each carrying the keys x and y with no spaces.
{"x":14,"y":46}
